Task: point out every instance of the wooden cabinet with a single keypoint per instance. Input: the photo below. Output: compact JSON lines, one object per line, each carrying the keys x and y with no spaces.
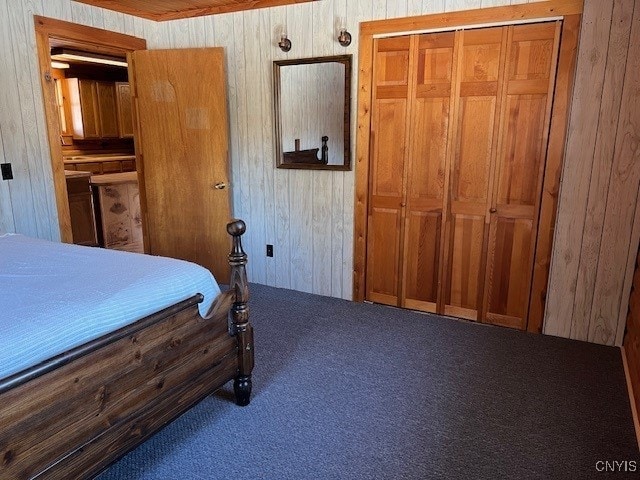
{"x":459,"y":132}
{"x":93,"y":108}
{"x":83,"y":223}
{"x":101,"y":166}
{"x":125,"y":113}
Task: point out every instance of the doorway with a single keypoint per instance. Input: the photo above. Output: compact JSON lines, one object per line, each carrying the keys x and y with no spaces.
{"x":90,"y":131}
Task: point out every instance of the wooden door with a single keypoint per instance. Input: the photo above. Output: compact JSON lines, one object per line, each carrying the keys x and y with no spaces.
{"x":182,"y":149}
{"x":386,"y":193}
{"x":426,"y":202}
{"x":480,"y":59}
{"x":528,"y":87}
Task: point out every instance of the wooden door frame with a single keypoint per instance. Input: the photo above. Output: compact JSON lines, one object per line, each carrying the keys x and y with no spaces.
{"x":570,"y":11}
{"x":83,"y":36}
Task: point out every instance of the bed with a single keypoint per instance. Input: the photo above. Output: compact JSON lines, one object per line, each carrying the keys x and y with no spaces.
{"x":78,"y":387}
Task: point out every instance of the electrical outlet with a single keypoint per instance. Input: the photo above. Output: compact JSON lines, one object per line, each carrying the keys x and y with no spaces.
{"x":269,"y":250}
{"x":7,"y":172}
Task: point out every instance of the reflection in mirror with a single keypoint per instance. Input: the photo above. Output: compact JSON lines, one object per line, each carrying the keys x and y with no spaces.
{"x":312,"y":98}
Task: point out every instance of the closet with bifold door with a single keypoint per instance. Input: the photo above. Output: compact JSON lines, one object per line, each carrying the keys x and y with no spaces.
{"x":459,"y":131}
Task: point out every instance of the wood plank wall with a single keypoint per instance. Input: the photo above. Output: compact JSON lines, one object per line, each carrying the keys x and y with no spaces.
{"x":308,"y":215}
{"x":598,"y":220}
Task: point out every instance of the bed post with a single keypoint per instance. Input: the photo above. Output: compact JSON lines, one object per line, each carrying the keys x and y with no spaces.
{"x":240,"y":314}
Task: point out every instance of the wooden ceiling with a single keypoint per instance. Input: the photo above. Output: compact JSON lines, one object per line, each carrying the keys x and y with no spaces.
{"x":160,"y":10}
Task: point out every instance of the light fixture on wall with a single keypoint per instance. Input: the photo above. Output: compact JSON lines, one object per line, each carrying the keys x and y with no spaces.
{"x":89,"y":57}
{"x":344,"y":37}
{"x":284,"y":43}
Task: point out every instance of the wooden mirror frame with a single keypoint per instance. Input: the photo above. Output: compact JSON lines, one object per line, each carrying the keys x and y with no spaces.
{"x":346,"y":60}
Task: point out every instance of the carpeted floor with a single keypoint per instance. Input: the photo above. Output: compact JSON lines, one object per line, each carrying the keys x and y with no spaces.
{"x":355,"y":391}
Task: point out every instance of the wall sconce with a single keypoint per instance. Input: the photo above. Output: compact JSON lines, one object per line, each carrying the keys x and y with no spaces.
{"x":284,"y":43}
{"x":344,"y":37}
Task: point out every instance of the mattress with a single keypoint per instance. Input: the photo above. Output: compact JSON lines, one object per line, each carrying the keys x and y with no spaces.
{"x":56,"y":296}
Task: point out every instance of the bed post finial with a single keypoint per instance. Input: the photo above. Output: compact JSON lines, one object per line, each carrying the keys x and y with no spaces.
{"x":240,"y":313}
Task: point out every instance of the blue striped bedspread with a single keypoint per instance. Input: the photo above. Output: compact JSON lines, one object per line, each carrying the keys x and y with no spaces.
{"x":56,"y":296}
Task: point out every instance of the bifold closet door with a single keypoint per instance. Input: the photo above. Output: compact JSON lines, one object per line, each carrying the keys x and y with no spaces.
{"x":528,"y":90}
{"x":480,"y":61}
{"x":386,"y":190}
{"x":430,"y":103}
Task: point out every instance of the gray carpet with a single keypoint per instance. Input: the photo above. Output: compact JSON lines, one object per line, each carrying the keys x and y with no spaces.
{"x":355,"y":391}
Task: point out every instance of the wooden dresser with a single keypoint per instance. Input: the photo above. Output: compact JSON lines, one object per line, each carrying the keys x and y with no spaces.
{"x":632,"y":340}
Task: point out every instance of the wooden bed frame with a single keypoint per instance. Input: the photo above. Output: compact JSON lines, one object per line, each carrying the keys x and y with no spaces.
{"x":73,"y":415}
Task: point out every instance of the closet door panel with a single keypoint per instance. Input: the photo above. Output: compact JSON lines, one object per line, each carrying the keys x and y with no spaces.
{"x":520,"y":166}
{"x":482,"y":52}
{"x":427,"y":176}
{"x":510,"y":250}
{"x":385,"y":205}
{"x":465,"y":266}
{"x":389,"y":118}
{"x":384,"y":239}
{"x":422,"y":259}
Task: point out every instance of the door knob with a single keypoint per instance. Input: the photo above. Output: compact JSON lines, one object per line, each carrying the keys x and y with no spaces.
{"x":220,"y":186}
{"x":493,"y":210}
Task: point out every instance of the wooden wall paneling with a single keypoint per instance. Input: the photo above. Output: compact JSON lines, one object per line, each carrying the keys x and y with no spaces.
{"x":197,"y":32}
{"x":179,"y":33}
{"x":56,"y":9}
{"x":379,"y":9}
{"x":267,"y":153}
{"x":414,"y":7}
{"x":577,"y":168}
{"x":27,"y":75}
{"x":113,"y":21}
{"x":300,"y":26}
{"x":242,"y":189}
{"x":435,"y":6}
{"x":13,"y":133}
{"x":622,"y":202}
{"x":323,"y":41}
{"x":356,"y":11}
{"x":396,"y":9}
{"x":614,"y":77}
{"x":82,"y":14}
{"x":255,"y":142}
{"x":281,"y":177}
{"x":6,"y":208}
{"x":339,"y":205}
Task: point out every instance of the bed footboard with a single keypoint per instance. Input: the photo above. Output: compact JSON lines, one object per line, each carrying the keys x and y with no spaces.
{"x":240,"y":314}
{"x":73,"y":419}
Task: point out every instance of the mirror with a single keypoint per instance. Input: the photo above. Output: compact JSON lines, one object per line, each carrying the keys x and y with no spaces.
{"x":312,"y":112}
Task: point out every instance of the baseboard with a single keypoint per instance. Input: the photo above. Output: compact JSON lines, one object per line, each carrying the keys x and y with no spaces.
{"x":632,"y":398}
